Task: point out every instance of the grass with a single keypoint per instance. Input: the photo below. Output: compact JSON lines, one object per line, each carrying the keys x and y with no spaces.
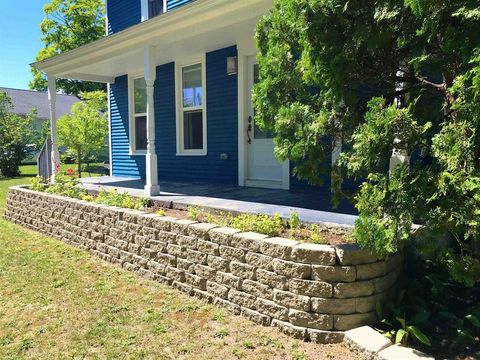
{"x":58,"y":302}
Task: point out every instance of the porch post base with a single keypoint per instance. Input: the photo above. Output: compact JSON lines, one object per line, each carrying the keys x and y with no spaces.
{"x":152,"y":190}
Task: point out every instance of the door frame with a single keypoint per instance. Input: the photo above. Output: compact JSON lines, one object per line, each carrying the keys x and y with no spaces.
{"x":245,"y":51}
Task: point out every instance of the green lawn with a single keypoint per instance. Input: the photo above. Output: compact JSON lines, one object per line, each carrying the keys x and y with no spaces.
{"x":58,"y":302}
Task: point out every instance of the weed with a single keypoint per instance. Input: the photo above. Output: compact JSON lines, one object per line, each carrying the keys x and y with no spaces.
{"x":298,"y":355}
{"x":218,"y":316}
{"x":239,"y":354}
{"x":26,"y":344}
{"x":161,"y":212}
{"x":316,"y":235}
{"x":6,"y":340}
{"x":159,"y":330}
{"x":189,"y":307}
{"x":247,"y":344}
{"x":222,"y":333}
{"x":294,"y":221}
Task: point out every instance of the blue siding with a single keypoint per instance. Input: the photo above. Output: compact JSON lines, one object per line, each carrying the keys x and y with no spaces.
{"x":172,"y":4}
{"x":123,"y":164}
{"x":221,"y":125}
{"x":123,"y":14}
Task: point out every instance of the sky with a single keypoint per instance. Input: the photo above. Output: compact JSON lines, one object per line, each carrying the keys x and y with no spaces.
{"x":19,"y":40}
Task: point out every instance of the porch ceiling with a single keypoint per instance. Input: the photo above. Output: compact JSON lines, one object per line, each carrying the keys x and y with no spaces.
{"x":199,"y":27}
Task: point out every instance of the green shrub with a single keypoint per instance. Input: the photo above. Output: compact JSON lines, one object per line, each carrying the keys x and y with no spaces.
{"x":264,"y":224}
{"x":194,"y":213}
{"x":37,"y":184}
{"x":316,"y":236}
{"x":66,"y":186}
{"x":124,"y":200}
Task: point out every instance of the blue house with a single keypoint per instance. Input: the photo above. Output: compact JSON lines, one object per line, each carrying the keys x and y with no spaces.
{"x":179,"y":74}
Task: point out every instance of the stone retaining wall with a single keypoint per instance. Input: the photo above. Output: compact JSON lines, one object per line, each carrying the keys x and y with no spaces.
{"x":312,"y":292}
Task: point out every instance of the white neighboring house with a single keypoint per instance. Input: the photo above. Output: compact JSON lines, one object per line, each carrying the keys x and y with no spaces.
{"x":24,"y":101}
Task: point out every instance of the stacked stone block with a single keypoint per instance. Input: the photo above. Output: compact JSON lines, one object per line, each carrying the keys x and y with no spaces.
{"x":311,"y":292}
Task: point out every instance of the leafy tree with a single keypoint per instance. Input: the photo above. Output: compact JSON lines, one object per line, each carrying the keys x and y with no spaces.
{"x":15,"y":134}
{"x":69,"y":24}
{"x":383,"y":75}
{"x":85,"y":129}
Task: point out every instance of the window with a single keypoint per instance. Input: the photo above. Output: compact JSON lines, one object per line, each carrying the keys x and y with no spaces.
{"x":191,"y":119}
{"x":139,"y":117}
{"x":155,"y":8}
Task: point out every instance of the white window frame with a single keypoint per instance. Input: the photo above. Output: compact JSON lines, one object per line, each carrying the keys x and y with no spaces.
{"x":133,"y":115}
{"x":181,"y":151}
{"x":144,"y":9}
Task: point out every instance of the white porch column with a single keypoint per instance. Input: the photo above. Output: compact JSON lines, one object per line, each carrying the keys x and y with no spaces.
{"x":399,"y":157}
{"x":152,"y":187}
{"x":52,"y":100}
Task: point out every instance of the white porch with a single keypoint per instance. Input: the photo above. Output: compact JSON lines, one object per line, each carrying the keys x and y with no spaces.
{"x":194,"y":29}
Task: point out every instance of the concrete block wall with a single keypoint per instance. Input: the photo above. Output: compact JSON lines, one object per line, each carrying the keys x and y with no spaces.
{"x":311,"y":292}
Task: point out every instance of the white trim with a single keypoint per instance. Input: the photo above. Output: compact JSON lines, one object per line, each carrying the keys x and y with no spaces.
{"x":242,"y":162}
{"x":109,"y":130}
{"x":179,"y":65}
{"x":144,"y":9}
{"x":200,"y":15}
{"x":131,"y":116}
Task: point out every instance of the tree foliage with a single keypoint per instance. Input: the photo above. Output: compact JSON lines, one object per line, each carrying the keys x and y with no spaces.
{"x":67,"y":25}
{"x":85,"y":129}
{"x":15,"y":134}
{"x":383,"y":75}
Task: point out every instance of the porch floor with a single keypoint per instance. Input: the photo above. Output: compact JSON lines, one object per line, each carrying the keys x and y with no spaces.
{"x":312,"y":206}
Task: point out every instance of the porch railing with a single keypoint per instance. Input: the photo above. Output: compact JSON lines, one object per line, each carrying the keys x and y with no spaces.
{"x":44,"y":162}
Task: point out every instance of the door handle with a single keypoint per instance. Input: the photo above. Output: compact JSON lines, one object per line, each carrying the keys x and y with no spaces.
{"x":249,"y":129}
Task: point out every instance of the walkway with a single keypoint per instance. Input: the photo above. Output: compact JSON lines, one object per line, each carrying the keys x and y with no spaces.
{"x":312,"y":206}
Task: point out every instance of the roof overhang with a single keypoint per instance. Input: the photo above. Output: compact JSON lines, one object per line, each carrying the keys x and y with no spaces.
{"x":202,"y":26}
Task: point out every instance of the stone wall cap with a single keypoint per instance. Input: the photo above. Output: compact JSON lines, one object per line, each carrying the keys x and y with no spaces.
{"x":315,"y":247}
{"x":282,"y":241}
{"x":132,"y":211}
{"x":366,"y":339}
{"x":226,"y":230}
{"x":183,"y":221}
{"x":251,"y":235}
{"x":167,"y":218}
{"x":353,"y":254}
{"x":204,"y":226}
{"x":396,"y":352}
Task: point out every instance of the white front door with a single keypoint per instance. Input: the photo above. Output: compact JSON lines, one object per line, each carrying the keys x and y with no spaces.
{"x":263,"y":169}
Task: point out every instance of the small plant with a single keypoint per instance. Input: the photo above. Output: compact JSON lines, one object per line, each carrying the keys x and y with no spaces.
{"x":298,"y":355}
{"x":248,"y":344}
{"x":161,"y":212}
{"x":221,"y":333}
{"x":37,"y":184}
{"x":194,"y":213}
{"x":264,"y":224}
{"x":159,"y":330}
{"x":239,"y":354}
{"x":294,"y":221}
{"x":88,"y":197}
{"x":218,"y":316}
{"x":66,"y":186}
{"x":316,"y":235}
{"x":114,"y":198}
